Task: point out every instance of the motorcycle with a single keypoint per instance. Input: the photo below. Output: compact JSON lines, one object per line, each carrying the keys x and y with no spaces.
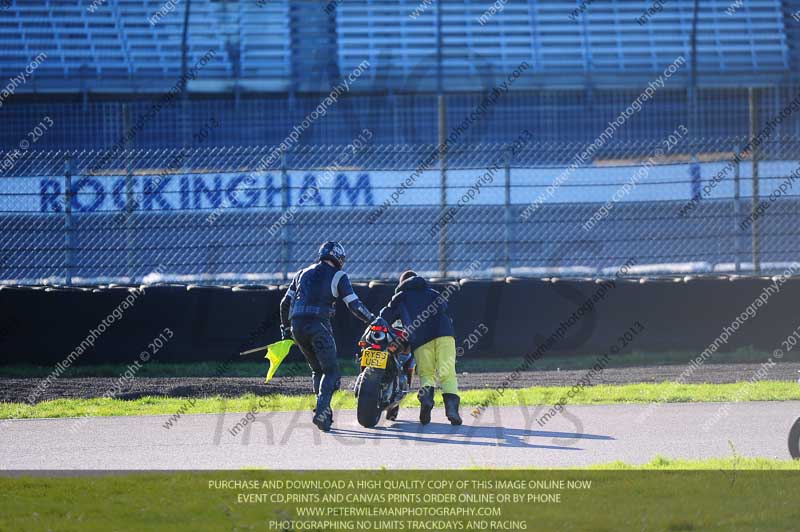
{"x":387,"y":367}
{"x":794,"y":438}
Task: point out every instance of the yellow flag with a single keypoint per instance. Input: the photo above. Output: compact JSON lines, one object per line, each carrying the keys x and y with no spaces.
{"x":275,"y":354}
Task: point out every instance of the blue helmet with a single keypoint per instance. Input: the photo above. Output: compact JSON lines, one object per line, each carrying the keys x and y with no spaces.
{"x":333,"y":251}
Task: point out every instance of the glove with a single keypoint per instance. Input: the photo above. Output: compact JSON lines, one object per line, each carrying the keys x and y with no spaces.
{"x":286,"y":332}
{"x":361,"y":311}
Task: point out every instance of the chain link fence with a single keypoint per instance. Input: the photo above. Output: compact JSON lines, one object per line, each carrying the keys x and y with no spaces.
{"x":556,"y":116}
{"x":246,"y":216}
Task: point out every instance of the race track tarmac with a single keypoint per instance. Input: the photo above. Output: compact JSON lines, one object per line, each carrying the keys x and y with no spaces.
{"x":500,"y":437}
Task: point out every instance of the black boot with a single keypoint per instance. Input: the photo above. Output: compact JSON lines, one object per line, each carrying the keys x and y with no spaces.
{"x":317,"y":379}
{"x":323,"y":413}
{"x":314,"y":411}
{"x":451,"y":402}
{"x":425,"y":404}
{"x":391,"y":414}
{"x":324,"y":419}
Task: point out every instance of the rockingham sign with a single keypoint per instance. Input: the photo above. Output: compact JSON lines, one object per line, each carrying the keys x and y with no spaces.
{"x":355,"y":188}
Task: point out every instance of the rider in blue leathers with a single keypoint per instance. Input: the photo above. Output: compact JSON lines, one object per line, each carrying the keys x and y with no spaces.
{"x":306,"y":312}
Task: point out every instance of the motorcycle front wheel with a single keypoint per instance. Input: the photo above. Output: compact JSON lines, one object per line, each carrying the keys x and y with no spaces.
{"x":794,"y":440}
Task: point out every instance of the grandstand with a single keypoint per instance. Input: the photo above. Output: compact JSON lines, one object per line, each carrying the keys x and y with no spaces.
{"x":113,"y":47}
{"x":277,"y":56}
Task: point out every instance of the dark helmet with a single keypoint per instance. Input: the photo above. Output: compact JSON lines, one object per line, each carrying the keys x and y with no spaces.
{"x":333,"y":251}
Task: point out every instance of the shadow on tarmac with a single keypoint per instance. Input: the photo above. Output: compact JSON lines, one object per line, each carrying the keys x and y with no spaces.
{"x":483,"y":436}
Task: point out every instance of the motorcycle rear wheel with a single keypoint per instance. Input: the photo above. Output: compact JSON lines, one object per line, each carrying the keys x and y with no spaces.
{"x":369,"y":398}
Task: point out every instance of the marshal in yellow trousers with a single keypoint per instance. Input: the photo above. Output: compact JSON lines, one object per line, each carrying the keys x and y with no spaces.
{"x":438,"y":356}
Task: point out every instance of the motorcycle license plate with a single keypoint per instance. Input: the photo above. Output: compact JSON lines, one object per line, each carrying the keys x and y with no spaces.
{"x":371,"y":358}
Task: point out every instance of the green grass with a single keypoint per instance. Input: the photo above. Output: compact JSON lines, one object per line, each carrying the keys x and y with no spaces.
{"x":722,"y":495}
{"x":539,"y":395}
{"x":253,"y":367}
{"x":740,"y":463}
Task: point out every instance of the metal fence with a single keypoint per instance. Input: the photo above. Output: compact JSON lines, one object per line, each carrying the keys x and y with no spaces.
{"x":560,"y":116}
{"x":256,"y":215}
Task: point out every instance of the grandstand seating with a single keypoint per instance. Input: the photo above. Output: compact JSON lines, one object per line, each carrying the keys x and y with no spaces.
{"x":110,"y":45}
{"x":113,"y":45}
{"x":606,"y":44}
{"x":584,"y":68}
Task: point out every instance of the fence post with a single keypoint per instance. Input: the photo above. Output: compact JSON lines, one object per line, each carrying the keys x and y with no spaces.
{"x":129,"y":193}
{"x":129,"y":208}
{"x":753,"y":100}
{"x":285,"y":235}
{"x":212,"y":263}
{"x":69,"y":236}
{"x":509,"y":222}
{"x":737,"y":210}
{"x":443,"y":148}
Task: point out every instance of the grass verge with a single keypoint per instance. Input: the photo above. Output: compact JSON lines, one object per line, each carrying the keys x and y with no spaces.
{"x":721,"y":496}
{"x":739,"y":463}
{"x":258,"y":368}
{"x":668,"y":392}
